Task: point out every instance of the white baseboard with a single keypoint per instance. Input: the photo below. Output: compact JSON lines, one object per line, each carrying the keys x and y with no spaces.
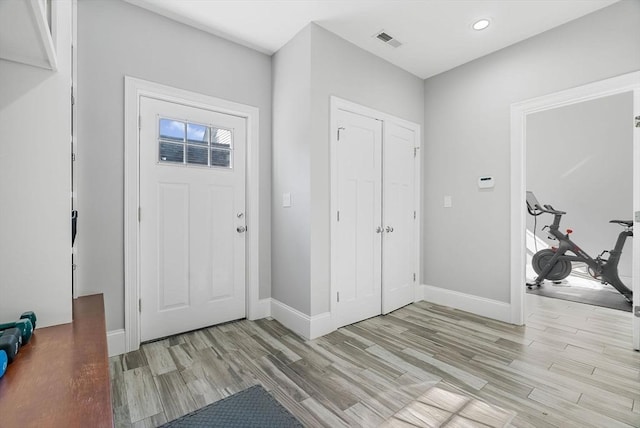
{"x":482,"y":306}
{"x":301,"y":324}
{"x":261,"y":310}
{"x":320,"y":325}
{"x":116,"y":342}
{"x":419,"y":293}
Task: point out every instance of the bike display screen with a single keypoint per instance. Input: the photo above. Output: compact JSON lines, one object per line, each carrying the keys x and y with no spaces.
{"x":532,"y":201}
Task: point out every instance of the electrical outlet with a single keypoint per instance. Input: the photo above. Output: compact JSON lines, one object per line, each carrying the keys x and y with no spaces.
{"x":448,"y":203}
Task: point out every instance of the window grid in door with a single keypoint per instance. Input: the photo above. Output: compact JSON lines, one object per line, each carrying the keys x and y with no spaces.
{"x":187,"y":143}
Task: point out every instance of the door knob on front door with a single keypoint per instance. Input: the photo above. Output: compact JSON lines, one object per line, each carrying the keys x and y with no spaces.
{"x":379,"y":229}
{"x":389,"y":229}
{"x":241,"y":229}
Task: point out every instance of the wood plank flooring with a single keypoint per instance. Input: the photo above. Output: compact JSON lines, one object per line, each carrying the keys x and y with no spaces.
{"x":571,"y":366}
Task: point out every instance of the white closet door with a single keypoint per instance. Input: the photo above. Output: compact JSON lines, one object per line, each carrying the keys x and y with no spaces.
{"x":356,"y":250}
{"x":398,"y":255}
{"x":192,"y":200}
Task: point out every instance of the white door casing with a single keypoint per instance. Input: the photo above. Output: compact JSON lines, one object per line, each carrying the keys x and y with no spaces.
{"x":635,"y":286}
{"x":134,"y":90}
{"x":357,"y":259}
{"x":192,"y":258}
{"x":398,"y":209}
{"x":519,"y":111}
{"x":399,"y":216}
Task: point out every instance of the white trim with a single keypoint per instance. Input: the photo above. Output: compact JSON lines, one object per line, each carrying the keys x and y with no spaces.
{"x":420,"y":293}
{"x":134,"y":89}
{"x":342,"y":104}
{"x":635,"y":287}
{"x":291,"y":318}
{"x":74,"y":137}
{"x":302,"y":324}
{"x":116,"y":342}
{"x":44,"y":34}
{"x":320,"y":325}
{"x":261,"y":310}
{"x":519,"y":111}
{"x":482,"y":306}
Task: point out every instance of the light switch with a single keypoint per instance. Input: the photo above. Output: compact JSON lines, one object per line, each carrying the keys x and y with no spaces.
{"x":447,"y":202}
{"x":286,"y":200}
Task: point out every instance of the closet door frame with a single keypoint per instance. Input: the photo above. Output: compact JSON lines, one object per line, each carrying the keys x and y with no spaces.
{"x":337,"y":104}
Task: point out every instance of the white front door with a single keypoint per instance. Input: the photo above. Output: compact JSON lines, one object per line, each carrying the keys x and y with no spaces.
{"x":192,"y":215}
{"x":356,"y":252}
{"x":398,"y":255}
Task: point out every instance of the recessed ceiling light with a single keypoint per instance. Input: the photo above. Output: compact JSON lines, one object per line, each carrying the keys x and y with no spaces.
{"x":481,"y":24}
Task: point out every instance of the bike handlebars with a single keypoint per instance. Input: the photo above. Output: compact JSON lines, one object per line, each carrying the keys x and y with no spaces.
{"x":551,"y":210}
{"x":535,"y":209}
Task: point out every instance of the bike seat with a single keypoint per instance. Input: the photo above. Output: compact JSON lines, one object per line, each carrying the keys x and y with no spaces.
{"x":627,"y":223}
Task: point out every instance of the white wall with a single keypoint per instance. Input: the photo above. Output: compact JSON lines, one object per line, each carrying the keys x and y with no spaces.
{"x":35,"y":184}
{"x":291,"y":172}
{"x":467,"y":134}
{"x":307,"y":71}
{"x":580,"y":160}
{"x":342,"y":69}
{"x":117,"y":39}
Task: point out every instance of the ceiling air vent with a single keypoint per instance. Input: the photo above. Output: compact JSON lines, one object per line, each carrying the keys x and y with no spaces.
{"x":387,"y":39}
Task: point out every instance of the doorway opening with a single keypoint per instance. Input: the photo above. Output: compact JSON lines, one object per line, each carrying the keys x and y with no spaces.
{"x":580,"y":160}
{"x":520,"y":113}
{"x":215,"y":154}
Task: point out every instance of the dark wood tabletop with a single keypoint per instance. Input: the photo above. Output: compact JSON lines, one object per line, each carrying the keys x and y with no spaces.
{"x":61,"y":377}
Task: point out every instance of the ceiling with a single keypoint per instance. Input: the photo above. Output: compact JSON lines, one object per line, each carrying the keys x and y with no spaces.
{"x":436,"y":35}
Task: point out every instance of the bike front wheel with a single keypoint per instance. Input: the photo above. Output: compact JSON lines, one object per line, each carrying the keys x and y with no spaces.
{"x":559,"y":271}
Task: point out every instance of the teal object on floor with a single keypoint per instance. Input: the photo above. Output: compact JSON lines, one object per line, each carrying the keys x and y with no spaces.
{"x":251,"y":408}
{"x":4,"y":361}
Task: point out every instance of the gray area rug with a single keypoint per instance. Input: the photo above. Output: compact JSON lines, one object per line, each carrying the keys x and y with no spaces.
{"x":253,"y":407}
{"x":605,"y":297}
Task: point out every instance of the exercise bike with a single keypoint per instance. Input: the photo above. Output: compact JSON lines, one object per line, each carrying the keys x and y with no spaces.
{"x":554,"y":264}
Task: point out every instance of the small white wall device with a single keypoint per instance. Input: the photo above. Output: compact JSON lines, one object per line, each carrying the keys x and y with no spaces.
{"x":486,"y":182}
{"x":286,"y":200}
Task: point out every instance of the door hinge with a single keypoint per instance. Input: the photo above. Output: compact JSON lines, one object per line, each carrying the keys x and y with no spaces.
{"x":139,"y":214}
{"x":338,"y":296}
{"x":73,"y":98}
{"x":74,"y":266}
{"x":73,"y":157}
{"x":338,"y":215}
{"x":339,"y":128}
{"x":140,"y":305}
{"x":414,"y":215}
{"x":636,"y":311}
{"x":139,"y":122}
{"x":415,"y":151}
{"x":637,"y":121}
{"x":414,"y":277}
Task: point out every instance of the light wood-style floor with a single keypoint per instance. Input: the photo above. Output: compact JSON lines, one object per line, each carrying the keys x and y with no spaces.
{"x":571,"y":366}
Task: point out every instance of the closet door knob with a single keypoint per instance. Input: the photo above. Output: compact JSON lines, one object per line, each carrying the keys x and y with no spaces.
{"x":389,"y":229}
{"x":379,"y":229}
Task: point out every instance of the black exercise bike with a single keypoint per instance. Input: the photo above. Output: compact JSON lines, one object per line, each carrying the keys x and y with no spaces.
{"x":554,"y":264}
